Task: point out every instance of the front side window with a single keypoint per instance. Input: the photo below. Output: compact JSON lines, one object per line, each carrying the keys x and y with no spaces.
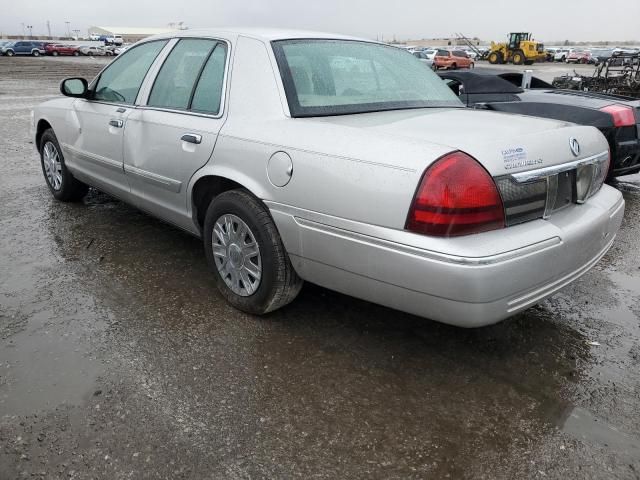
{"x":191,"y":77}
{"x":121,"y":81}
{"x":336,"y":77}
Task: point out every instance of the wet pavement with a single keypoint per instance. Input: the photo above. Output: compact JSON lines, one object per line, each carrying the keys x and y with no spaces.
{"x":119,"y":359}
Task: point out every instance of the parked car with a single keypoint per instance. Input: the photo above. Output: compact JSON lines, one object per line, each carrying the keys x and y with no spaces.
{"x":338,"y":161}
{"x":550,"y":52}
{"x":94,"y":51}
{"x":580,"y":56}
{"x":60,"y":49}
{"x":425,"y":59}
{"x":430,"y":54}
{"x":122,"y":49}
{"x":452,"y":59}
{"x":562,"y":54}
{"x":23,"y":48}
{"x":618,"y":118}
{"x":600,"y":55}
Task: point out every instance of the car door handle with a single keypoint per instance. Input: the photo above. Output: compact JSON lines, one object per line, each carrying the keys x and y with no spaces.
{"x":116,"y":123}
{"x":192,"y":138}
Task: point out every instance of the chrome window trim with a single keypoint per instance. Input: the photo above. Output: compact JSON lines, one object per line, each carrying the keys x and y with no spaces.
{"x":143,"y":104}
{"x":542,"y":173}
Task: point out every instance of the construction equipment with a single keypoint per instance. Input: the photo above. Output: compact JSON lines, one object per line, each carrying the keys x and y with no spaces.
{"x":480,"y":55}
{"x":521,"y":49}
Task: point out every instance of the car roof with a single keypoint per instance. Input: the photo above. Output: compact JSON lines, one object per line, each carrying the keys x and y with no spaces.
{"x":263,"y":34}
{"x":482,"y":83}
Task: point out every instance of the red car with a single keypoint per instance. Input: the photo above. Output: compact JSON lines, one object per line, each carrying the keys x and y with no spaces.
{"x":59,"y":49}
{"x":452,"y":60}
{"x":580,"y":56}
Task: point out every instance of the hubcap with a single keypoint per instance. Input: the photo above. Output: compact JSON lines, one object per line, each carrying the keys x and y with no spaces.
{"x":52,"y":165}
{"x":237,"y":255}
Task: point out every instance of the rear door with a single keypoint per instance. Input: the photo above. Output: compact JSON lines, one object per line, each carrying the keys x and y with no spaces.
{"x":173,"y":135}
{"x":22,"y":48}
{"x":95,"y":141}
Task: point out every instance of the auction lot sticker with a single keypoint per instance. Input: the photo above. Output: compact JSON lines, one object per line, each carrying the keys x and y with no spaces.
{"x":517,"y":157}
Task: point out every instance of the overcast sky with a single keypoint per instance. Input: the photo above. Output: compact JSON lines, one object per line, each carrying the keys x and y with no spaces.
{"x":549,"y":20}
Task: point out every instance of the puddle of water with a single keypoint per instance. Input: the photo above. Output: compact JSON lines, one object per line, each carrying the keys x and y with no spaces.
{"x":628,"y":282}
{"x":588,"y":428}
{"x":44,"y":366}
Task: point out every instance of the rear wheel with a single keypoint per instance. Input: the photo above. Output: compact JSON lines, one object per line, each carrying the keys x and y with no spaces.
{"x":35,"y":53}
{"x":518,"y":58}
{"x":243,"y":248}
{"x":54,"y":53}
{"x":453,"y":66}
{"x":63,"y":185}
{"x":76,"y":53}
{"x":495,"y":58}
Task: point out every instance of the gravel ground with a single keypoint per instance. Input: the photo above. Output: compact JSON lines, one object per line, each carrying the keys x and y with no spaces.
{"x":118,"y":358}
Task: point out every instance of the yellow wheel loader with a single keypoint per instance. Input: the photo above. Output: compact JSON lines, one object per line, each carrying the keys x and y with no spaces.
{"x":521,"y":49}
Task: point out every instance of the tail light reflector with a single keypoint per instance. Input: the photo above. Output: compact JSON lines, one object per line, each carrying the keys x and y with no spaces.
{"x":622,"y":115}
{"x":456,"y":196}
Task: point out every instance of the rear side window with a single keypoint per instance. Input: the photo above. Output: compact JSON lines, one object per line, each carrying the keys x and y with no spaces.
{"x":191,"y":77}
{"x":443,"y":53}
{"x":179,"y":73}
{"x":121,"y":81}
{"x":208,"y":92}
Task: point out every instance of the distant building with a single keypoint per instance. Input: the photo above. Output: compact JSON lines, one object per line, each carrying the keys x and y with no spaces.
{"x":130,"y":34}
{"x":443,"y":42}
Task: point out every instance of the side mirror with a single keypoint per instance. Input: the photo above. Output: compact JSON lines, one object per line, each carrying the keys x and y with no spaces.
{"x":74,"y":87}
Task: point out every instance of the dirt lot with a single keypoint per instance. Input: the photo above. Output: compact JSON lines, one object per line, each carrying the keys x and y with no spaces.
{"x":118,"y":358}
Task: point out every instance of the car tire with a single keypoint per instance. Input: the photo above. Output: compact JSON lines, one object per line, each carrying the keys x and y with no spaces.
{"x":453,"y":67}
{"x":76,"y":53}
{"x":54,"y":53}
{"x":35,"y":53}
{"x":67,"y":188}
{"x":278,"y":283}
{"x":518,"y":58}
{"x":9,"y":53}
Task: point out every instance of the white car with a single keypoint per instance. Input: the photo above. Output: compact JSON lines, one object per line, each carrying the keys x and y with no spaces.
{"x":562,"y":54}
{"x":430,"y":54}
{"x":339,"y":161}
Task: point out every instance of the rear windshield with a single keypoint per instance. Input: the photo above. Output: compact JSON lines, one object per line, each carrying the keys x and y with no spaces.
{"x":338,"y":77}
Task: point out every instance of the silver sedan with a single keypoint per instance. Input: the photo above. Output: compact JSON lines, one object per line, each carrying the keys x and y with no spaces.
{"x":304,"y":156}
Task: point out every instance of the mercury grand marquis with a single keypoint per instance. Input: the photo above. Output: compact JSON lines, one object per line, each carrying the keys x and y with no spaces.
{"x":340,"y":161}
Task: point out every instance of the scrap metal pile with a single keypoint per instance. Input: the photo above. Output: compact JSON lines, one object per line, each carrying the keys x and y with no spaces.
{"x":617,"y":75}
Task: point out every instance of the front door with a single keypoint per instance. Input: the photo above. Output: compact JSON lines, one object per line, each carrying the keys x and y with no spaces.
{"x":173,"y":135}
{"x":95,"y":148}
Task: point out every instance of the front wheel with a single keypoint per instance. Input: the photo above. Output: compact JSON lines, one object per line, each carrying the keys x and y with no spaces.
{"x":63,"y":185}
{"x":10,"y":53}
{"x":518,"y":58}
{"x":495,"y":58}
{"x":35,"y":53}
{"x":54,"y":53}
{"x":76,"y":53}
{"x":243,"y":248}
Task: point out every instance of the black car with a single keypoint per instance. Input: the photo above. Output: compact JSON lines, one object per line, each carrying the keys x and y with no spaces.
{"x":617,"y":117}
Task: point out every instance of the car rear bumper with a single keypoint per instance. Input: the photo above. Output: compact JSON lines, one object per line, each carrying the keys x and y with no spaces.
{"x":450,"y":282}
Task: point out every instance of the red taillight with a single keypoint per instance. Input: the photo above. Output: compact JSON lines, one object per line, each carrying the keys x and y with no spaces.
{"x":456,"y":196}
{"x":622,"y":115}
